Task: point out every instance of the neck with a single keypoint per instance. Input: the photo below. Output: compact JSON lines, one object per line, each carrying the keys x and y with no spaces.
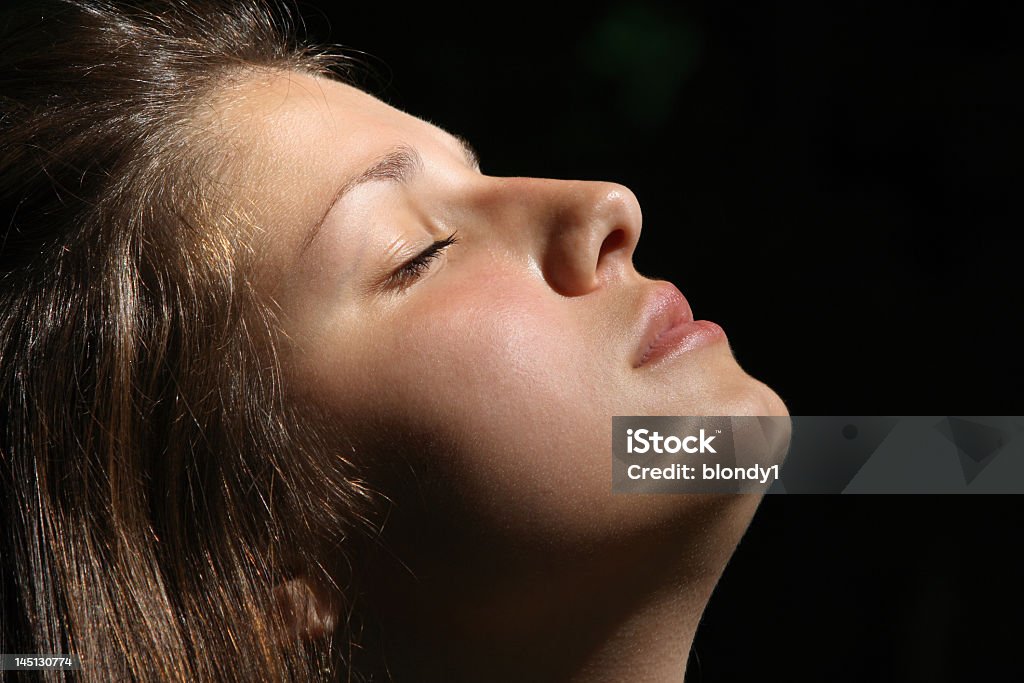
{"x":595,"y":616}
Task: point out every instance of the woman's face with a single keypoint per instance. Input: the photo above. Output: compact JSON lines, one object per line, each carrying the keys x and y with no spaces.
{"x":491,"y":367}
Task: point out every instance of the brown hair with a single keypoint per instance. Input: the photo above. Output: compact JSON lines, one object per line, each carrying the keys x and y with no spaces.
{"x":156,"y":482}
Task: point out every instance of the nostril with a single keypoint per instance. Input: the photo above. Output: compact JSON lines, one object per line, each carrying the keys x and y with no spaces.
{"x":614,"y":241}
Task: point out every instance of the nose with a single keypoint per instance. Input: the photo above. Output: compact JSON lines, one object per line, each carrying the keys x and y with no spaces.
{"x":581,"y":233}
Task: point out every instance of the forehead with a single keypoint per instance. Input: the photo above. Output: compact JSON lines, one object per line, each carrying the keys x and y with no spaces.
{"x":280,"y":104}
{"x":291,"y":139}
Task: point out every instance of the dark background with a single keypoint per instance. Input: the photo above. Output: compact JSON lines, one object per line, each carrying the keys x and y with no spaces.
{"x":838,"y":185}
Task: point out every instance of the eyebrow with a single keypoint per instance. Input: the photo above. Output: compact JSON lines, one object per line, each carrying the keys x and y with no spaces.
{"x":398,"y":166}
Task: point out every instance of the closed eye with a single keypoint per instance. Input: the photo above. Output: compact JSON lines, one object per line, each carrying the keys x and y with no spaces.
{"x":416,"y":267}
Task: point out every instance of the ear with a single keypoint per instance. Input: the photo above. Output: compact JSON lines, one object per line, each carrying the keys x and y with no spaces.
{"x":308,"y":610}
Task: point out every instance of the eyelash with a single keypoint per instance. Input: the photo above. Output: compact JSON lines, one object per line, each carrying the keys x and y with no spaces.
{"x":416,"y":267}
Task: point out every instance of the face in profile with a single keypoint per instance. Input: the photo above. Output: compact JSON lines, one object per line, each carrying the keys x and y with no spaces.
{"x":481,"y":331}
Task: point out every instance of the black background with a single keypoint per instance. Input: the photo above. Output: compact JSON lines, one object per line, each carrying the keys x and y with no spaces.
{"x":838,"y":185}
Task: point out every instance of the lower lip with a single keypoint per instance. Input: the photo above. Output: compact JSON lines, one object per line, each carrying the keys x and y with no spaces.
{"x":684,"y":337}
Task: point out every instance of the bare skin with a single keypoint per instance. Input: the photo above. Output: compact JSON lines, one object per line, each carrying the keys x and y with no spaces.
{"x":480,"y":385}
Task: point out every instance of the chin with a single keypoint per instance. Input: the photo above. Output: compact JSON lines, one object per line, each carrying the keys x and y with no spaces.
{"x":742,"y":394}
{"x":763,"y":401}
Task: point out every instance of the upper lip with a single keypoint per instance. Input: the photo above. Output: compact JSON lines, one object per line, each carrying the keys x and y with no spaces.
{"x":664,"y":308}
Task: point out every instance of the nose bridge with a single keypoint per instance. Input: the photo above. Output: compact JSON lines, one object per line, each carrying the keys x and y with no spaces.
{"x":580,"y":232}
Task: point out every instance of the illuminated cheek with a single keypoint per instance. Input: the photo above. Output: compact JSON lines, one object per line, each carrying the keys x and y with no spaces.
{"x":481,"y":350}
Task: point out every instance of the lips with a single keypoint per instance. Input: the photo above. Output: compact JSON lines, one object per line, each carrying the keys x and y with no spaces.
{"x":668,"y":326}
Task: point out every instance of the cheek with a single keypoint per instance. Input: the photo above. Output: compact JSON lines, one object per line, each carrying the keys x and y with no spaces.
{"x":448,"y":353}
{"x":480,"y":351}
{"x":503,"y":394}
